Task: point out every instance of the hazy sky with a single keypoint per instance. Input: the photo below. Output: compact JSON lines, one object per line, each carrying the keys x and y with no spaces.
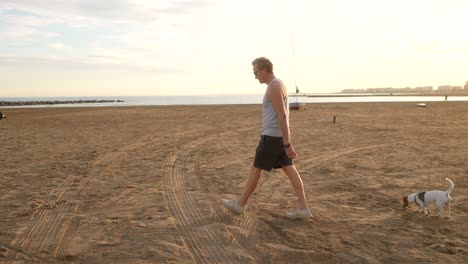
{"x":190,"y":47}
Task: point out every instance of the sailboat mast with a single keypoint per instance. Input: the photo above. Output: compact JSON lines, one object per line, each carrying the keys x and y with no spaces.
{"x":294,"y":64}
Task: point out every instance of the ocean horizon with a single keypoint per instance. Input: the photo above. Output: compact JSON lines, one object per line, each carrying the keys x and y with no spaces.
{"x":215,"y":100}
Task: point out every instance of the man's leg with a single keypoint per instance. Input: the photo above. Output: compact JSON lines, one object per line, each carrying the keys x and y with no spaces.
{"x":250,"y":186}
{"x":297,"y":184}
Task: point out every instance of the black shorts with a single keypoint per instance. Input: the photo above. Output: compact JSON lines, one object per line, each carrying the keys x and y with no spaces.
{"x":270,"y":154}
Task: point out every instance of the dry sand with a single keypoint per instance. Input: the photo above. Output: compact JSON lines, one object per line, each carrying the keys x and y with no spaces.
{"x":144,"y":184}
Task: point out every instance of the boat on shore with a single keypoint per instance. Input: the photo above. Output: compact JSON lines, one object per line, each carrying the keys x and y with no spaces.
{"x":297,"y":106}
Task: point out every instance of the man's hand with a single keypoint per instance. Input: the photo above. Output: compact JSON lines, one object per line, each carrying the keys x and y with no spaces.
{"x":290,"y":152}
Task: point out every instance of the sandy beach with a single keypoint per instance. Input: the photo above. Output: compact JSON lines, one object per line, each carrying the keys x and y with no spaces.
{"x":144,"y":184}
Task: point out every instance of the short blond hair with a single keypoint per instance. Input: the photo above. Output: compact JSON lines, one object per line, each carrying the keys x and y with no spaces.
{"x":263,"y":63}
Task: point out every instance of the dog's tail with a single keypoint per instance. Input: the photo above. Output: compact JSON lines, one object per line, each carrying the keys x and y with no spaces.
{"x":451,"y":185}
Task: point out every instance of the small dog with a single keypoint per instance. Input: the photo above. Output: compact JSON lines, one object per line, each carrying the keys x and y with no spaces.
{"x":440,"y":198}
{"x":2,"y":115}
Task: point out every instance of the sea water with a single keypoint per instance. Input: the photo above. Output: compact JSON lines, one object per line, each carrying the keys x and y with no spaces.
{"x":219,"y":100}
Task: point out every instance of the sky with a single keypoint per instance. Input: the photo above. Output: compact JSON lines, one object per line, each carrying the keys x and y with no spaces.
{"x":205,"y":47}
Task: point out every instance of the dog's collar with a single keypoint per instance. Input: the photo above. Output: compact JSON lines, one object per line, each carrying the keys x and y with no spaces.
{"x":416,"y":196}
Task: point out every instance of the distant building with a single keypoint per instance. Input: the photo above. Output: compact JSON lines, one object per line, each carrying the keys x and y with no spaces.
{"x":420,"y":89}
{"x":380,"y":90}
{"x":444,"y":88}
{"x":383,"y":90}
{"x":424,"y":89}
{"x":352,"y":91}
{"x":390,"y":90}
{"x":405,"y":90}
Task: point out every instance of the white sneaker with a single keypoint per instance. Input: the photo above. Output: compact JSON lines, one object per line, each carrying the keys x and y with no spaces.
{"x":233,"y":205}
{"x":299,"y":214}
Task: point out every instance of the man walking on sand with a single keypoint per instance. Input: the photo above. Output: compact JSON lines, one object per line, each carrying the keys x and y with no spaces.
{"x":274,"y":149}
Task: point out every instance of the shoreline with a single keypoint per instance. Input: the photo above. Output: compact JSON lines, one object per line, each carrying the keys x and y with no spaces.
{"x":253,"y":100}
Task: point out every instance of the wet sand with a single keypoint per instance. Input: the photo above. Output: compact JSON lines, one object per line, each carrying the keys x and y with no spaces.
{"x":144,"y":184}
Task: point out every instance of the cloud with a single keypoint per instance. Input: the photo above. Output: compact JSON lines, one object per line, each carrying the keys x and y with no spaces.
{"x":184,"y":7}
{"x":115,"y":10}
{"x":18,"y":33}
{"x":139,"y":27}
{"x":58,"y":46}
{"x":26,"y":20}
{"x":96,"y":62}
{"x":24,"y":27}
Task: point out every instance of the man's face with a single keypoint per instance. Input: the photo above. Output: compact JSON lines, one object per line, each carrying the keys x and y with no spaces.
{"x":259,"y":72}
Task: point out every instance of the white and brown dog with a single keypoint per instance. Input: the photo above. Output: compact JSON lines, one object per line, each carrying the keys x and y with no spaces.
{"x":440,"y":198}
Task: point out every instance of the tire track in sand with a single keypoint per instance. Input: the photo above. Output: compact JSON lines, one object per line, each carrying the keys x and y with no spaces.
{"x":325,"y":158}
{"x":188,"y":214}
{"x":245,"y":230}
{"x":53,"y":224}
{"x":204,"y":244}
{"x":244,"y":234}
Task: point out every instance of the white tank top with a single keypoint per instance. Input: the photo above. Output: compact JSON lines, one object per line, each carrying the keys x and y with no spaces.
{"x":270,"y":118}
